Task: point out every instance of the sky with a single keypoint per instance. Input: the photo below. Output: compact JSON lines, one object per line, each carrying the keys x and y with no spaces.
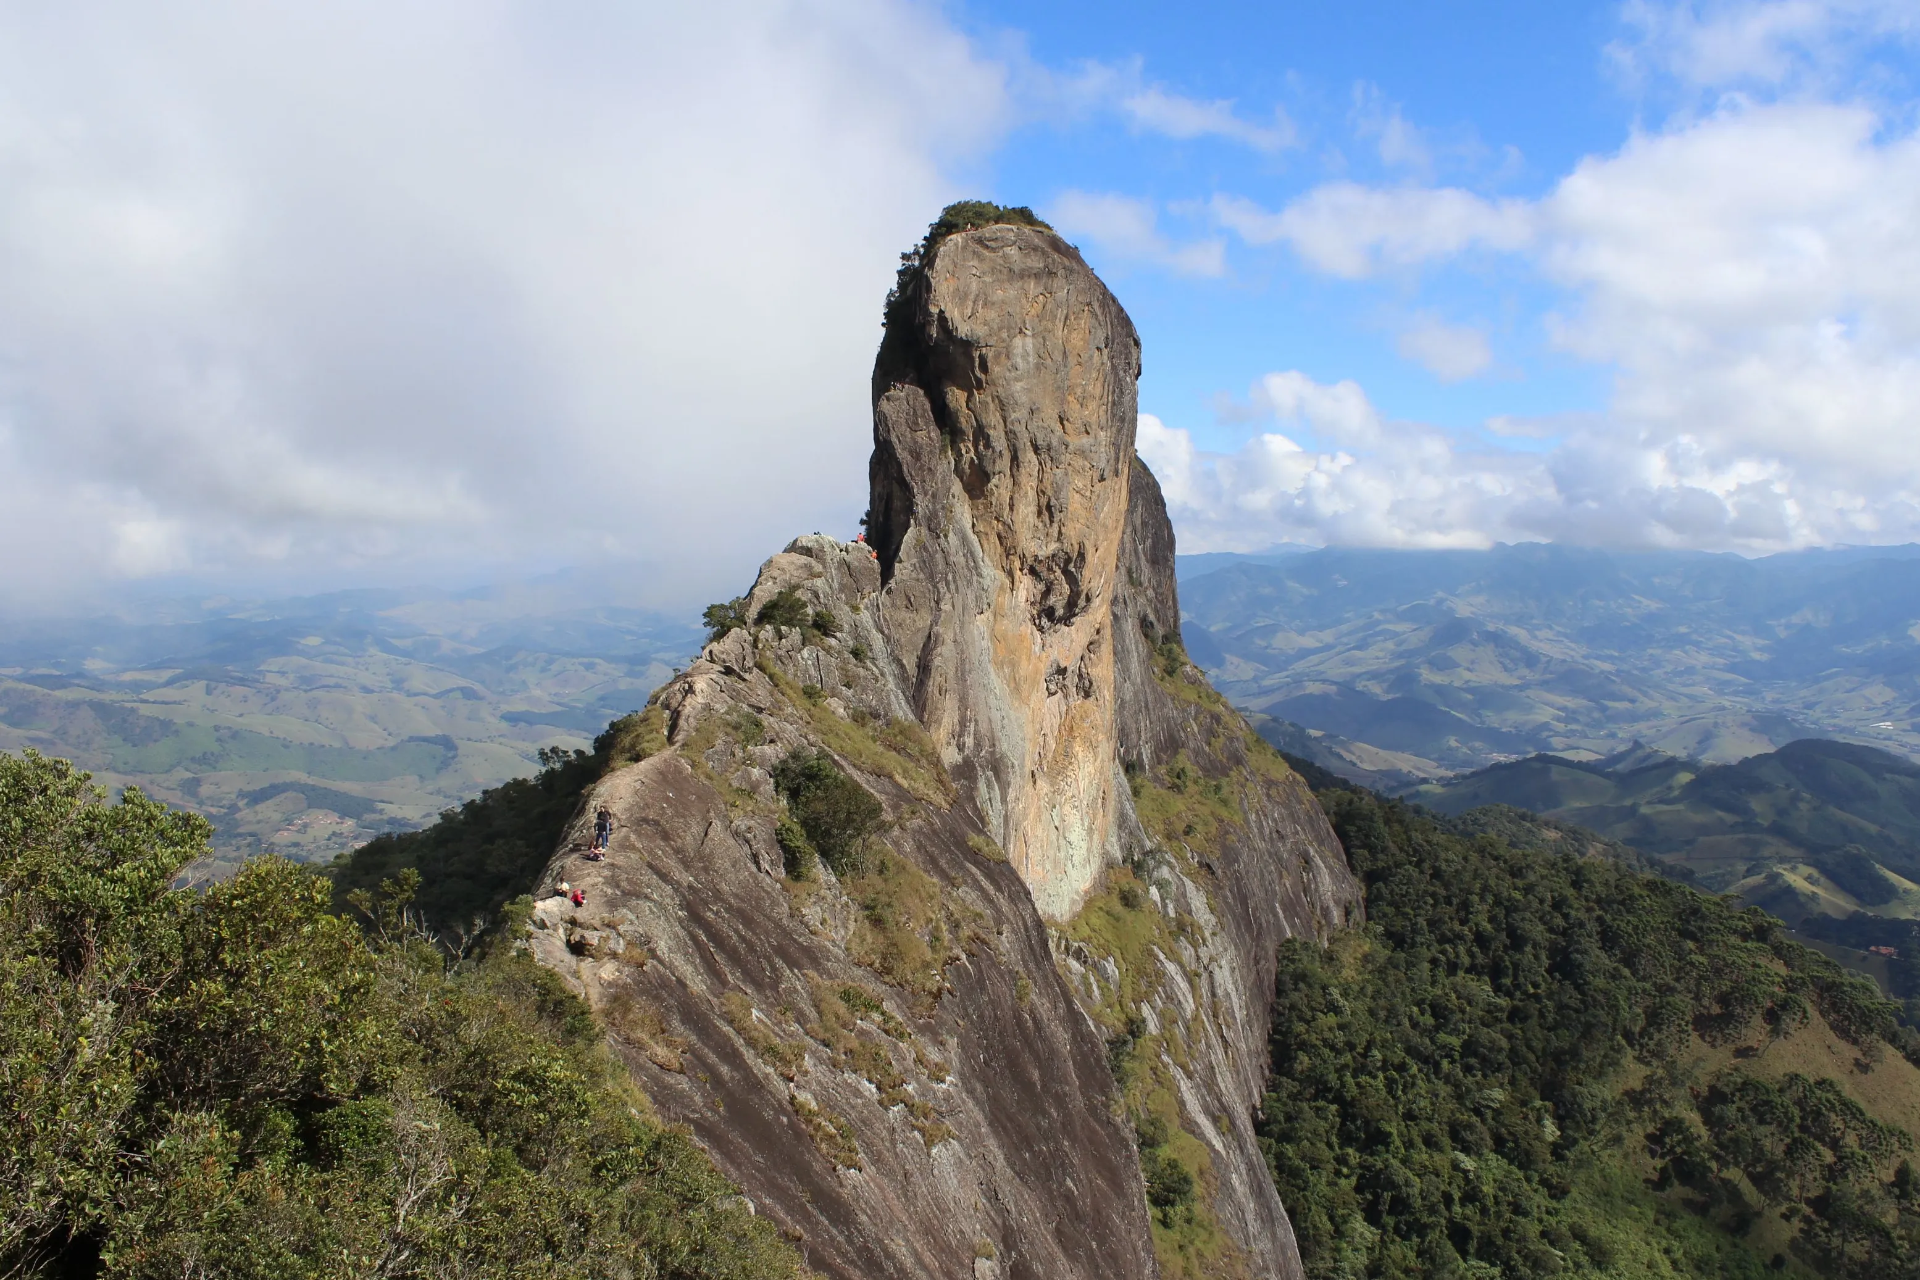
{"x":302,"y":297}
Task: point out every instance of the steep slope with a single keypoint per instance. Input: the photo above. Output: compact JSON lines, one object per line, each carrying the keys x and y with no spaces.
{"x":1554,"y":1065}
{"x":944,"y":895}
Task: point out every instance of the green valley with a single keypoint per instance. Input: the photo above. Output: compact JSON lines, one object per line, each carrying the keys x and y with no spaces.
{"x":306,"y":727}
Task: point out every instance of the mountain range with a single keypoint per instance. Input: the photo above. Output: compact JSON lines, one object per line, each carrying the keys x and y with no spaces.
{"x":1815,"y":828}
{"x":1404,"y":666}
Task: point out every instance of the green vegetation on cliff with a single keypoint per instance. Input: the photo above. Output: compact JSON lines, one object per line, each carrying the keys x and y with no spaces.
{"x":243,"y":1083}
{"x":491,"y":849}
{"x":1531,"y":1063}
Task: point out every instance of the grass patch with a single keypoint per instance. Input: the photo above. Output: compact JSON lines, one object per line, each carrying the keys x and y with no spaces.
{"x":633,"y":738}
{"x":786,"y":1056}
{"x":899,"y":749}
{"x":987,"y":848}
{"x":1185,"y":808}
{"x":910,"y":929}
{"x":842,"y":1007}
{"x":1121,"y":923}
{"x":832,"y":1134}
{"x":641,"y":1024}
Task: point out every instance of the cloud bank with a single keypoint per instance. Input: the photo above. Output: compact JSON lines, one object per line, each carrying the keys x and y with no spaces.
{"x":363,"y":289}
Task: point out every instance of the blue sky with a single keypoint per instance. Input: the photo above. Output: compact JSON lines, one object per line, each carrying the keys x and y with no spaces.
{"x":312,"y":297}
{"x":1504,"y":98}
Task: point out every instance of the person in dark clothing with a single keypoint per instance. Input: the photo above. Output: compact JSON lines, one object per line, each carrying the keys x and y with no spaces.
{"x":602,"y":829}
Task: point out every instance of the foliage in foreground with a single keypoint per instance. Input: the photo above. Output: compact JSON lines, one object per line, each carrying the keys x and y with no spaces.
{"x":1468,"y":1087}
{"x":242,"y":1083}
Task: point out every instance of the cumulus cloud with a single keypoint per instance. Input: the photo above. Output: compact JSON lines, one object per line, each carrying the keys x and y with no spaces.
{"x":1357,"y":479}
{"x":325,"y":289}
{"x":1128,"y":229}
{"x":1750,"y":279}
{"x":1338,"y":472}
{"x":1728,"y":43}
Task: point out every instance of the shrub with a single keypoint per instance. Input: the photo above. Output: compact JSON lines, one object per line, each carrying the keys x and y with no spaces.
{"x":825,"y":623}
{"x":796,"y":851}
{"x":836,"y":814}
{"x":786,"y":609}
{"x":719,"y":619}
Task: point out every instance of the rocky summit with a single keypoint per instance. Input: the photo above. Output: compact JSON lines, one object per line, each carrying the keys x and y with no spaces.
{"x":943,"y":894}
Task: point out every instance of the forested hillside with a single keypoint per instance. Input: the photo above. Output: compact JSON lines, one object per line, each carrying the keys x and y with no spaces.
{"x":243,"y":1083}
{"x":1815,"y":828}
{"x":1550,"y":1063}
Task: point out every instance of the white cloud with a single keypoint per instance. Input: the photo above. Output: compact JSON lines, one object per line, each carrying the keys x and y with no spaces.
{"x":1726,"y":43}
{"x":356,"y":286}
{"x":1751,"y":280}
{"x":1127,"y":228}
{"x":1150,"y":107}
{"x":1400,"y":143}
{"x":1158,"y":111}
{"x":1363,"y":480}
{"x":1351,"y":230}
{"x":1450,"y":352}
{"x":1367,"y":483}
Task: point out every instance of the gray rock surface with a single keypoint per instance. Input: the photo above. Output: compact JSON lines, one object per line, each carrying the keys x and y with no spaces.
{"x":907,"y":1067}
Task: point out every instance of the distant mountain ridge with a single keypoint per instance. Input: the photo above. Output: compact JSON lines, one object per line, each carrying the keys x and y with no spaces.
{"x":1453,"y":660}
{"x":1815,"y":828}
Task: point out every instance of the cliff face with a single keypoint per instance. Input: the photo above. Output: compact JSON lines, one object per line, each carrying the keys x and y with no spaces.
{"x":1042,"y":990}
{"x":1003,"y":440}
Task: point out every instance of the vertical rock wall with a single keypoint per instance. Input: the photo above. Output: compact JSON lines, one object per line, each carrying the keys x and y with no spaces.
{"x":1003,"y":442}
{"x":1058,"y":950}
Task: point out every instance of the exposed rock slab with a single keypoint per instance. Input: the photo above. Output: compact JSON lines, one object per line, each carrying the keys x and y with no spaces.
{"x":914,"y":1071}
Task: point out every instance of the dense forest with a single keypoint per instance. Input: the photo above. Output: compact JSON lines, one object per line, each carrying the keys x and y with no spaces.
{"x":243,"y":1081}
{"x":1533,"y":1062}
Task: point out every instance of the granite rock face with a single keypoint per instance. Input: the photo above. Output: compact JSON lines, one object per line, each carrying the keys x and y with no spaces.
{"x":1003,"y":440}
{"x":1058,"y":950}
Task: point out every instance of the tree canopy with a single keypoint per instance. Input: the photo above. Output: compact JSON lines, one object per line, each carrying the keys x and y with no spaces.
{"x":242,"y":1082}
{"x":1500,"y":1072}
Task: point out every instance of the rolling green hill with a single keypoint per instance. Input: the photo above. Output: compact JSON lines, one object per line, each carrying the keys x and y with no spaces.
{"x":1814,"y":828}
{"x":307,"y":727}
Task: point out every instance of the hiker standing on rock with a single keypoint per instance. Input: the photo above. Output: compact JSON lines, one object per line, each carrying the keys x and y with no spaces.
{"x":602,"y":828}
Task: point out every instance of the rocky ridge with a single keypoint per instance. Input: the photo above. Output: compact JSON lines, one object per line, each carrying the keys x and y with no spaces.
{"x":1034,"y":997}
